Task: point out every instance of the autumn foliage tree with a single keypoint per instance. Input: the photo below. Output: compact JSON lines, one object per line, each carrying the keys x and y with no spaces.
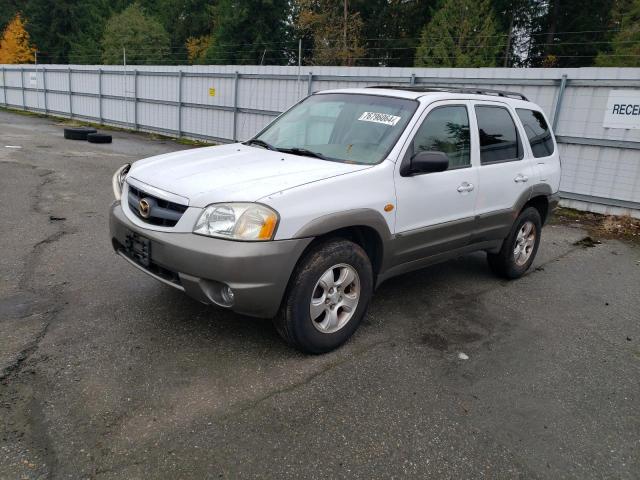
{"x":15,"y":45}
{"x":336,"y":32}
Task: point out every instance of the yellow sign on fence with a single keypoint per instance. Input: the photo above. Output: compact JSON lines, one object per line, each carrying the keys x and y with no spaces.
{"x":212,"y":92}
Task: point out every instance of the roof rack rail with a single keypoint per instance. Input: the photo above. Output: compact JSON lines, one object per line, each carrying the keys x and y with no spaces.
{"x":437,"y":88}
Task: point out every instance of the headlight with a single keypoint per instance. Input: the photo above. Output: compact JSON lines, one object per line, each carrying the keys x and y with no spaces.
{"x":238,"y":221}
{"x":118,"y":180}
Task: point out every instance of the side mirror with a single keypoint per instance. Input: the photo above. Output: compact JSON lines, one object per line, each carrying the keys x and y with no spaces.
{"x":425,"y":162}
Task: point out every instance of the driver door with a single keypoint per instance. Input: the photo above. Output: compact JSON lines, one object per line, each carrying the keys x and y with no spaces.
{"x":435,"y":211}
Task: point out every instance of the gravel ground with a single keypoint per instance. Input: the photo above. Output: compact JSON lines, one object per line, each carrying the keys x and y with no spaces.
{"x":105,"y":373}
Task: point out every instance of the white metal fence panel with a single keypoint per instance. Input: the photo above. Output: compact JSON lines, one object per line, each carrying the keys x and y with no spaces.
{"x":601,"y":166}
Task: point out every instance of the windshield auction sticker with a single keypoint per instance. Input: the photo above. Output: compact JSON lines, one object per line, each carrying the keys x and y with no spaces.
{"x":383,"y":118}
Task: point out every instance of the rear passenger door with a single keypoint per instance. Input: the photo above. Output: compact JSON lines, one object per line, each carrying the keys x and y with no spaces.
{"x":505,"y":174}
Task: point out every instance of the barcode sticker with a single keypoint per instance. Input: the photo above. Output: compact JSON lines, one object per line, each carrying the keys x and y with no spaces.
{"x":383,"y":118}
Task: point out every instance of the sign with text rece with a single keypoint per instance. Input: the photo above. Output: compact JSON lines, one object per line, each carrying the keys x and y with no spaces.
{"x":623,"y":109}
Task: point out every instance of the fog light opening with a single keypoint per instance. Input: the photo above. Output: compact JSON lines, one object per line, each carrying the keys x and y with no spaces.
{"x":226,"y":292}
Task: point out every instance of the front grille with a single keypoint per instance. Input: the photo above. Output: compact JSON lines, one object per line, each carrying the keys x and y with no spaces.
{"x":161,"y":212}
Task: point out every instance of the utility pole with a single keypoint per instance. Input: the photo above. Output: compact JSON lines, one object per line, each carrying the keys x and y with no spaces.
{"x":299,"y":62}
{"x":35,"y":61}
{"x":507,"y":52}
{"x":124,"y":76}
{"x":344,"y":32}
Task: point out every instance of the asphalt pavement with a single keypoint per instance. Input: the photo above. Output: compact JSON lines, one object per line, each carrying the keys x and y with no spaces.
{"x":106,"y":373}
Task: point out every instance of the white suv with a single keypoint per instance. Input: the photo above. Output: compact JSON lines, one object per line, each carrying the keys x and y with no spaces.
{"x":343,"y":191}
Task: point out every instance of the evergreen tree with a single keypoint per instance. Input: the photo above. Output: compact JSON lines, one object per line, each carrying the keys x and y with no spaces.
{"x":182,"y":19}
{"x":462,"y":33}
{"x":625,"y":47}
{"x":61,"y":28}
{"x":15,"y":46}
{"x":145,"y":40}
{"x":390,"y":29}
{"x":570,"y":33}
{"x":8,"y":10}
{"x":245,"y":31}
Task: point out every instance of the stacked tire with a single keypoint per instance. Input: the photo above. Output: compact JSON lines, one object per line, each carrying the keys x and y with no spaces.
{"x":88,"y":134}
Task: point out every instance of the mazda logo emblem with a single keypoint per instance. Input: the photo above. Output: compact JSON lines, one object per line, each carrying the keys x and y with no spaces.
{"x":144,"y":208}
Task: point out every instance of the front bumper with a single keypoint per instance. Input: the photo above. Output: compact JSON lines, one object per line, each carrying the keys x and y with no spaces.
{"x":258,"y":272}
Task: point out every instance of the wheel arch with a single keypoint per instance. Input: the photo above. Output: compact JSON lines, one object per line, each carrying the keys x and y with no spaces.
{"x":365,"y":227}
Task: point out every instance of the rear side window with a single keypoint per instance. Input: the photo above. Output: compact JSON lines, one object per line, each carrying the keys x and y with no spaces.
{"x":537,"y":132}
{"x":446,"y":129}
{"x":499,"y":139}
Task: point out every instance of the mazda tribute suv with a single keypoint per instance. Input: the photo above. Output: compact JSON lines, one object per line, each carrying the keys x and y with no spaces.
{"x":343,"y":191}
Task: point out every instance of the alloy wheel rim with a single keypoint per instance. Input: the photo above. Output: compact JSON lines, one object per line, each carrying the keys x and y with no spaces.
{"x":335,"y":298}
{"x":525,"y":241}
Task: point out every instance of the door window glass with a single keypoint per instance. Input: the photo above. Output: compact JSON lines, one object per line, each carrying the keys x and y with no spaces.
{"x":537,"y":130}
{"x":499,"y":139}
{"x":446,"y":129}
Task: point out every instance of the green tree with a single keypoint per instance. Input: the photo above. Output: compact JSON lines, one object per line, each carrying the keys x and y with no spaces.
{"x":462,"y":33}
{"x":570,"y":33}
{"x":625,"y":47}
{"x":246,"y":31}
{"x":145,"y":40}
{"x":182,"y":19}
{"x":390,"y":29}
{"x":8,"y":10}
{"x":59,"y":27}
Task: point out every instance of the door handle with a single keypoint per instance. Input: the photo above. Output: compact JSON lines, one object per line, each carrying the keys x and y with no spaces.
{"x":521,"y":178}
{"x":465,"y":187}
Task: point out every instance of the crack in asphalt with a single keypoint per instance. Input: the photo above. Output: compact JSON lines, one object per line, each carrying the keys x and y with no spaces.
{"x":53,"y":301}
{"x":253,"y":404}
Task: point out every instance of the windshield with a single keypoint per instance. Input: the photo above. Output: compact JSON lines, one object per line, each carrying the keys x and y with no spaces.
{"x":343,"y":127}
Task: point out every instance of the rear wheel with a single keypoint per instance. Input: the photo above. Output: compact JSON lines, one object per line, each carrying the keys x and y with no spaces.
{"x":520,"y":247}
{"x":327,"y":297}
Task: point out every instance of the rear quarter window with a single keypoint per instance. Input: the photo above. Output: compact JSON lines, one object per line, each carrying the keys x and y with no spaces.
{"x":537,"y":132}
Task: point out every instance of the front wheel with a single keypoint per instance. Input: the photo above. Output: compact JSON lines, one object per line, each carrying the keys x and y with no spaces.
{"x":327,"y":297}
{"x":520,"y":247}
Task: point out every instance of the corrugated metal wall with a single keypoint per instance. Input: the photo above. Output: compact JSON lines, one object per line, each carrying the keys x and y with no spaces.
{"x":601,"y":166}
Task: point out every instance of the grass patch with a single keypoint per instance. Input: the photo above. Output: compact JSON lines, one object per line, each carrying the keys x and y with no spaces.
{"x":600,"y":226}
{"x":26,"y":113}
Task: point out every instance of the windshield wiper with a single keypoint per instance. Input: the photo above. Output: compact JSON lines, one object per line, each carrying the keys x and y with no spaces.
{"x":262,"y":143}
{"x":302,"y":151}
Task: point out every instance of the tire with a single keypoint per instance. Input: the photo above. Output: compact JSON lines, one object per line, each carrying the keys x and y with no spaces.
{"x":336,"y":315}
{"x":508,"y":262}
{"x":99,"y":138}
{"x":78,"y":133}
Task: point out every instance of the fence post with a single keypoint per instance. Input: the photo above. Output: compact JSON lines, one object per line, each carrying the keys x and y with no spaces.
{"x":135,"y":99}
{"x":4,"y":88}
{"x":412,"y":79}
{"x":235,"y":106}
{"x":100,"y":94}
{"x":70,"y":99}
{"x":309,"y":83}
{"x":24,"y":104}
{"x":44,"y":90}
{"x":556,"y":112}
{"x":179,"y":103}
